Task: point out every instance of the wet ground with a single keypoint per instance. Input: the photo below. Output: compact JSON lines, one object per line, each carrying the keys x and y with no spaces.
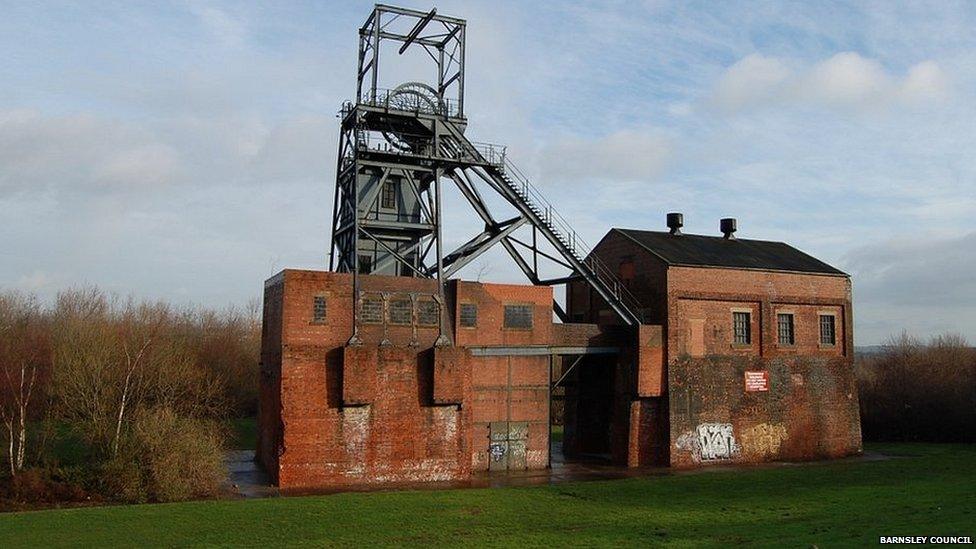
{"x":247,"y":480}
{"x":245,"y":477}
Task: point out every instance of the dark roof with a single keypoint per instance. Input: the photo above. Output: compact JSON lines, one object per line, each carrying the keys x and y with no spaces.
{"x":716,"y":251}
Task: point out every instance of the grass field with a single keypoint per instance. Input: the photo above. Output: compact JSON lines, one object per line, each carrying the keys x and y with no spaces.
{"x":927,"y":490}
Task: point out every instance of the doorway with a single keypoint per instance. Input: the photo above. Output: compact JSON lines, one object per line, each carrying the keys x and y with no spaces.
{"x":582,"y":409}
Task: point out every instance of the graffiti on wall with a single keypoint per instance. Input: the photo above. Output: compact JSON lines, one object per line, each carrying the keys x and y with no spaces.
{"x":715,"y":441}
{"x":709,"y":442}
{"x":764,"y":439}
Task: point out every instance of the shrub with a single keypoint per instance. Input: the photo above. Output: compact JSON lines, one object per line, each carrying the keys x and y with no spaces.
{"x":913,"y":391}
{"x":167,"y":457}
{"x":178,"y":457}
{"x":39,"y":486}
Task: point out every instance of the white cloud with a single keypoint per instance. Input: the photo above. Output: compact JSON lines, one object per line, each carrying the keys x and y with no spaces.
{"x":752,"y":80}
{"x":925,"y":81}
{"x":39,"y":153}
{"x":626,"y":155}
{"x":150,"y":164}
{"x":38,"y":281}
{"x":845,"y":80}
{"x":924,"y":283}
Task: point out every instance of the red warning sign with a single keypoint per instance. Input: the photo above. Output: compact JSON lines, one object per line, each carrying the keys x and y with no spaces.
{"x":757,"y":381}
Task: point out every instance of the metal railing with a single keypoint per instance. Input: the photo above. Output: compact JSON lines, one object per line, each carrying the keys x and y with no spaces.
{"x":475,"y":151}
{"x":423,"y":146}
{"x":564,"y":231}
{"x":386,"y":99}
{"x":392,"y":216}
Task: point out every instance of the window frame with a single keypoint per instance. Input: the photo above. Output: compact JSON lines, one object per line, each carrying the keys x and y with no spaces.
{"x":363,"y":318}
{"x":364,"y":263}
{"x":388,"y":191}
{"x":397,"y":302}
{"x":792,"y":329}
{"x":420,"y":313}
{"x":748,"y":328}
{"x":461,"y":308}
{"x":833,"y":329}
{"x":505,"y":316}
{"x":323,"y":300}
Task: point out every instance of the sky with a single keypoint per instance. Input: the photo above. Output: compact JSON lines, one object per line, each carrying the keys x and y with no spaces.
{"x":186,"y":150}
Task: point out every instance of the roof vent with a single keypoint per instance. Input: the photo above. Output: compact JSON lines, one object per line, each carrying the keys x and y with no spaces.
{"x":727,"y":227}
{"x":675,"y":222}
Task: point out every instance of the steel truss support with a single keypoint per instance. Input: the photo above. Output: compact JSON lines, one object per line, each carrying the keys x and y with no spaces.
{"x":395,"y":148}
{"x":441,"y":37}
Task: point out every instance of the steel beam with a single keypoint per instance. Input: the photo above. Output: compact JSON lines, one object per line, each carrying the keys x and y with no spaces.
{"x":484,"y":247}
{"x":417,"y":29}
{"x":541,"y":350}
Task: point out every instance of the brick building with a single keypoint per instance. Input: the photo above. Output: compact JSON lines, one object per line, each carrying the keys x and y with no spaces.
{"x":758,"y":346}
{"x":745,"y":355}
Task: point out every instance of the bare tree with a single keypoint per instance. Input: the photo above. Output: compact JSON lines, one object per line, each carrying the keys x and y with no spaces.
{"x":139,"y":327}
{"x":917,"y":391}
{"x":114,"y":358}
{"x":24,"y":360}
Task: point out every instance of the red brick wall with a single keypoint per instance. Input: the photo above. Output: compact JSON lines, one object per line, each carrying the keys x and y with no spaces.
{"x":694,"y":307}
{"x":393,"y":409}
{"x":269,"y":394}
{"x":623,"y":257}
{"x":702,"y":299}
{"x":810,"y":409}
{"x":491,"y":300}
{"x":510,"y":389}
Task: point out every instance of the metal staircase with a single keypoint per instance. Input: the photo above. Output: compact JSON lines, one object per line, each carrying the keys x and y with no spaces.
{"x":502,"y":175}
{"x":396,"y":146}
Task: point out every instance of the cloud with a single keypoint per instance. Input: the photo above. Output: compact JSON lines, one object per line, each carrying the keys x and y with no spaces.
{"x":89,"y":153}
{"x":925,"y":81}
{"x":42,"y":153}
{"x":923,"y":283}
{"x":845,"y":80}
{"x":39,"y":280}
{"x":160,"y":148}
{"x":750,"y":81}
{"x":625,"y":155}
{"x":150,"y":164}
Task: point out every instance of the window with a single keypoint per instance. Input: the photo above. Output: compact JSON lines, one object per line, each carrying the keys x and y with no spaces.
{"x":828,"y":334}
{"x":388,"y":199}
{"x":365,"y":264}
{"x":318,"y":308}
{"x":784,"y":328}
{"x":741,"y":328}
{"x":469,"y":315}
{"x":428,"y":313}
{"x":401,"y":311}
{"x":518,"y":316}
{"x":371,"y":311}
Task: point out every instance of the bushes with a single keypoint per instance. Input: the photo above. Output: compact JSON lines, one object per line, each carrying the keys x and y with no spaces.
{"x":140,"y":386}
{"x":166,"y":457}
{"x":919,"y":392}
{"x":40,"y":486}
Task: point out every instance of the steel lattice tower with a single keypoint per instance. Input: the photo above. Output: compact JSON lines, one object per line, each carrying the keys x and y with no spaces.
{"x":397,"y":146}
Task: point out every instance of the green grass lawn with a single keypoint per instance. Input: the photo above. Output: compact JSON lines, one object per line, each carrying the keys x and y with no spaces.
{"x":929,"y":491}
